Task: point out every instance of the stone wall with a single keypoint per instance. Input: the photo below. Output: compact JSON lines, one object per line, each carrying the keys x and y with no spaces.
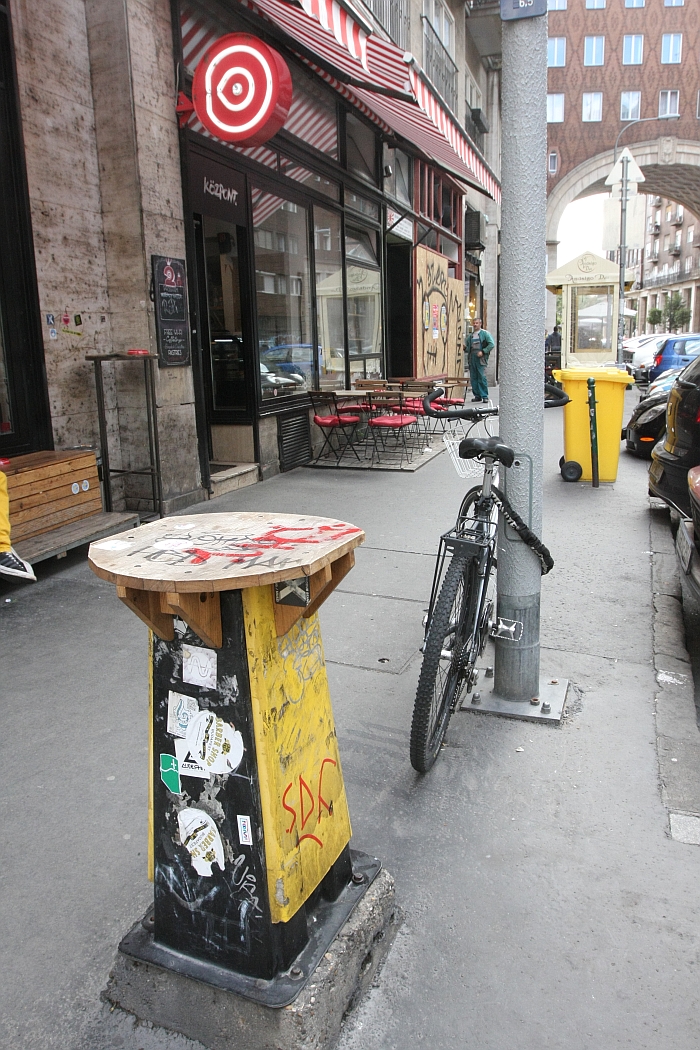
{"x":97,"y":96}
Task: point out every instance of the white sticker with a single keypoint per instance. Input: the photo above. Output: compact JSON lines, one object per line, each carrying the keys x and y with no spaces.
{"x":85,"y":485}
{"x":181,"y":711}
{"x":245,"y":831}
{"x":200,"y":837}
{"x":184,"y":525}
{"x":112,"y":545}
{"x":199,"y":666}
{"x":214,"y":744}
{"x":171,"y":544}
{"x":189,"y":767}
{"x":75,"y":488}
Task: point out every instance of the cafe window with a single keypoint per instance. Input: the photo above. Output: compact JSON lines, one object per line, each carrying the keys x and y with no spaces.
{"x":360,"y":148}
{"x":227,"y":379}
{"x":397,"y":174}
{"x":362,"y":206}
{"x":329,"y":299}
{"x":313,"y":116}
{"x":363,"y":304}
{"x":437,"y":200}
{"x":292,"y":169}
{"x":282,"y":280}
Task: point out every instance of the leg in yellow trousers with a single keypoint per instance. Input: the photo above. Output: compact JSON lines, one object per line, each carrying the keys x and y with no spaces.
{"x":10,"y":562}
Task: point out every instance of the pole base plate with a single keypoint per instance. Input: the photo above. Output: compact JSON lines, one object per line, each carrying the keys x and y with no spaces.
{"x":552,"y":699}
{"x":326,"y":920}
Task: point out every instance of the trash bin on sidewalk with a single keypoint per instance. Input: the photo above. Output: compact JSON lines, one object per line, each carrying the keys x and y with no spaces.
{"x":253,"y":874}
{"x":610,"y":386}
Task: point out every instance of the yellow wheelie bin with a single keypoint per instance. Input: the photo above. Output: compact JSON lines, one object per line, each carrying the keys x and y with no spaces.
{"x":610,"y":386}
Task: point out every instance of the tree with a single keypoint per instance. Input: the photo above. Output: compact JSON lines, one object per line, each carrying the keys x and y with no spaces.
{"x":654,"y":317}
{"x":676,"y":313}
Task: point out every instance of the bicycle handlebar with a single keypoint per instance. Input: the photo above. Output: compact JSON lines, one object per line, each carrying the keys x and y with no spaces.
{"x":473,"y":414}
{"x":557,"y":398}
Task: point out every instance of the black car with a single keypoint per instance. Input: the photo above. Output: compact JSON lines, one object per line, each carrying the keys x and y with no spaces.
{"x":674,"y":457}
{"x":646,"y":425}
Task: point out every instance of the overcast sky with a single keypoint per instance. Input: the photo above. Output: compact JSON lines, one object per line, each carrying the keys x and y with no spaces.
{"x":581,"y":228}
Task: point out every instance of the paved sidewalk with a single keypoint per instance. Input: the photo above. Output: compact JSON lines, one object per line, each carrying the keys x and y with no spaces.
{"x":546,"y":903}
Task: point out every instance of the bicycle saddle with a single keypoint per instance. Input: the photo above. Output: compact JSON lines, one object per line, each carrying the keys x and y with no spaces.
{"x":472,"y":448}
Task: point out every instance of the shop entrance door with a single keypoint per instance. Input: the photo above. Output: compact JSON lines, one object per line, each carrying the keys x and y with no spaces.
{"x":399,"y":313}
{"x":226,"y":342}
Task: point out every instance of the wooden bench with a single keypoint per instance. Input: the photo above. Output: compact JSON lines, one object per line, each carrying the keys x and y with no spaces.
{"x":56,"y":503}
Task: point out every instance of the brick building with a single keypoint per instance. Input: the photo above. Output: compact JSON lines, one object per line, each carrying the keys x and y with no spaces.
{"x":612,"y":62}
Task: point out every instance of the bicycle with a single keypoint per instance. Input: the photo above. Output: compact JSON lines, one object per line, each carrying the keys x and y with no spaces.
{"x":460,"y":615}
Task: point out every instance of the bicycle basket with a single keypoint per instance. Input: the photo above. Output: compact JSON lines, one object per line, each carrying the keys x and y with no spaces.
{"x":467,"y":468}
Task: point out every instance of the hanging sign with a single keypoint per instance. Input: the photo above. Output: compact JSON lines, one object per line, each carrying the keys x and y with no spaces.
{"x":522,"y":9}
{"x":242,"y":90}
{"x":172,"y":324}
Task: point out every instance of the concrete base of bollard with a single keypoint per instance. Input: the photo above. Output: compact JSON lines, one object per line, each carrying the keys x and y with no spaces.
{"x":222,"y":1020}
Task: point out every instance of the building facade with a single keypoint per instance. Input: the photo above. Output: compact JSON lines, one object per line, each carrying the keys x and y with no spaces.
{"x":298,"y":260}
{"x":625,"y":73}
{"x":669,"y":263}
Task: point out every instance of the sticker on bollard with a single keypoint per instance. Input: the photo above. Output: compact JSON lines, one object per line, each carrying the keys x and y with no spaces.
{"x":250,"y":818}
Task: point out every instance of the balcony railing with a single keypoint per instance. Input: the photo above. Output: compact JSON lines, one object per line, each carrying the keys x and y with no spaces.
{"x":394,"y":17}
{"x":676,"y":277}
{"x":677,"y":219}
{"x":439,"y":66}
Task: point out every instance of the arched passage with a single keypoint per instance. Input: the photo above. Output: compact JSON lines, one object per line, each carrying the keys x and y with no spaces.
{"x":671,"y":168}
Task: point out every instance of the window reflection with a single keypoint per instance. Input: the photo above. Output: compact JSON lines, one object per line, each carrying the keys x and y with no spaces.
{"x":287,"y":360}
{"x":225,"y":324}
{"x":329,"y":299}
{"x":364,"y":323}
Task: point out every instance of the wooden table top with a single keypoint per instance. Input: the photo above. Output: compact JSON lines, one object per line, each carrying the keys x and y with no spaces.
{"x":222,"y":552}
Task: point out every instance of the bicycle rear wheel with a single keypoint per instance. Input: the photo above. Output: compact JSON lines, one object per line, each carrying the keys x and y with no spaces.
{"x":441,"y":677}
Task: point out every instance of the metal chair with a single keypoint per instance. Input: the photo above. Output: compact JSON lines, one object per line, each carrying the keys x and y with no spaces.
{"x":339,"y":421}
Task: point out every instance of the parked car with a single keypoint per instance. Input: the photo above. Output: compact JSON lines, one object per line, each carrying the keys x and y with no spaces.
{"x":646,"y":425}
{"x":674,"y":351}
{"x":269,"y":381}
{"x":664,"y":382}
{"x":639,"y":357}
{"x":673,"y":457}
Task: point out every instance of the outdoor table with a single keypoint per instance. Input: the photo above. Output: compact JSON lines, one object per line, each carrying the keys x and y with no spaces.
{"x":248,"y":803}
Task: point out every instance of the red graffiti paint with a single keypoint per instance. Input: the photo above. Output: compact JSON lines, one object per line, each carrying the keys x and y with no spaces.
{"x":307,"y":803}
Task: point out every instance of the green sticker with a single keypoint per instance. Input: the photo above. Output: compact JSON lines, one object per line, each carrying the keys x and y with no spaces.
{"x":170,"y":773}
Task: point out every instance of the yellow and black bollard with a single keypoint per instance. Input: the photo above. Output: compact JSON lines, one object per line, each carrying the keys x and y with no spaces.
{"x":253,"y":874}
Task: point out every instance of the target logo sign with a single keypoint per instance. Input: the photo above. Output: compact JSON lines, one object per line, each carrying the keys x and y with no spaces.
{"x":242,"y":90}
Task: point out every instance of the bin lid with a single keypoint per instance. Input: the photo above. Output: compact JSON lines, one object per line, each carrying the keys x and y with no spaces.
{"x":600,"y":374}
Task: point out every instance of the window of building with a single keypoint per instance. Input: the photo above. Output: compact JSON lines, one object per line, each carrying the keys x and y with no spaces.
{"x":669,"y":211}
{"x":689,"y":264}
{"x":667,"y":242}
{"x":679,"y":211}
{"x":552,"y":163}
{"x":555,"y":109}
{"x":657,"y":216}
{"x":697,"y":106}
{"x":361,"y":148}
{"x":398,"y":183}
{"x":594,"y":51}
{"x":440,"y":18}
{"x":690,"y":234}
{"x":595,"y":4}
{"x":329,"y":299}
{"x":364,"y":304}
{"x":648,"y":250}
{"x":438,"y":201}
{"x":592,"y":108}
{"x":656,"y":246}
{"x":556,"y":51}
{"x":283,"y":285}
{"x":556,"y":5}
{"x":632,"y":49}
{"x":671,"y":47}
{"x":674,"y":3}
{"x":669,"y":102}
{"x":473,"y":94}
{"x":630,"y":105}
{"x":634,"y":3}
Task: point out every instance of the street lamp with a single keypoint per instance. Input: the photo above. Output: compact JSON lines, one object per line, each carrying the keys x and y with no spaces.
{"x":623,"y":225}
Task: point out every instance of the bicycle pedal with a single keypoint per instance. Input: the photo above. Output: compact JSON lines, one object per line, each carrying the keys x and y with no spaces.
{"x":509,"y":630}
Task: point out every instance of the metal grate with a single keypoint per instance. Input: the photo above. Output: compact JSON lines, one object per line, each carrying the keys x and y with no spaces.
{"x":294,"y":440}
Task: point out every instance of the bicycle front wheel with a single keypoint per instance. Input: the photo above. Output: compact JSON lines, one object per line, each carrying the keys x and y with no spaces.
{"x":441,"y":676}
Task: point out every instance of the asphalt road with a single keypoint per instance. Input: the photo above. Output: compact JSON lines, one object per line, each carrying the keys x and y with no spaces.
{"x":546,"y":904}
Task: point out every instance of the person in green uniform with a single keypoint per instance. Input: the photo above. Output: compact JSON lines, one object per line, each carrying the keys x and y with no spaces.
{"x":479,"y":345}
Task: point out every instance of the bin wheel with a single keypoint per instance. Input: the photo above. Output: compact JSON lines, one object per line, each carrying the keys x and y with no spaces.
{"x":562,"y":461}
{"x":571,"y":470}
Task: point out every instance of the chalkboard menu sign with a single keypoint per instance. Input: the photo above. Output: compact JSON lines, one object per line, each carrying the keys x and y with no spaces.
{"x":172,"y":322}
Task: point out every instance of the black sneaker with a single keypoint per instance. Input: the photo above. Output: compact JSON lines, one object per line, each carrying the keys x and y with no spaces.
{"x":12,"y":565}
{"x":478,"y":399}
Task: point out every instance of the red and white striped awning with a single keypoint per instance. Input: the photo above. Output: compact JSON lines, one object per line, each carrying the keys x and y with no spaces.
{"x":336,"y":19}
{"x":387,"y":88}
